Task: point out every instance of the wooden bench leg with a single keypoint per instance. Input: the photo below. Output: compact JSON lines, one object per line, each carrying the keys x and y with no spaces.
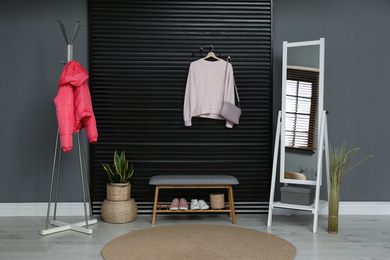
{"x":231,"y":204}
{"x":155,"y":204}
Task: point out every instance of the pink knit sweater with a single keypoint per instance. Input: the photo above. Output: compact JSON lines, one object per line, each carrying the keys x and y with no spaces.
{"x":209,"y":84}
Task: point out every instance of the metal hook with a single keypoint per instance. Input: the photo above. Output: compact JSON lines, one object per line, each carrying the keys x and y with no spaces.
{"x":76,"y":30}
{"x":63,"y":31}
{"x":200,"y":51}
{"x":211,"y":47}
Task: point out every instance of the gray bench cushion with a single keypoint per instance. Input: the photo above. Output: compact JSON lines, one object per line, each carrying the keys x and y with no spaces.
{"x":193,"y":180}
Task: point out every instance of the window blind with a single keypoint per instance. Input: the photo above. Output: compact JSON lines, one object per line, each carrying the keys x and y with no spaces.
{"x":301,"y":107}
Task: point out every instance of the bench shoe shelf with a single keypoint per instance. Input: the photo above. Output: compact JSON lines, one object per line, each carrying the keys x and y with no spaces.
{"x":164,"y":208}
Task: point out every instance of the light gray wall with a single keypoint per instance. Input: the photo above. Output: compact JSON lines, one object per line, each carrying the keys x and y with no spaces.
{"x":357,"y":65}
{"x":32,"y":47}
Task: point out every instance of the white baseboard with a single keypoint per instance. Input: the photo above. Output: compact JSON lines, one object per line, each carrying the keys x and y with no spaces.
{"x":40,"y":209}
{"x":348,"y":208}
{"x":364,"y":208}
{"x":77,"y":209}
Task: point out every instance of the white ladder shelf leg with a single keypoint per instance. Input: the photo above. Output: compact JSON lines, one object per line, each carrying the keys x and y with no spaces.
{"x":273,"y":180}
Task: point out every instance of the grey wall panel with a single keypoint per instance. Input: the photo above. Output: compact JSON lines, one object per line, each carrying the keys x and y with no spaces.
{"x":356,"y":80}
{"x":140,"y":53}
{"x":32,"y":48}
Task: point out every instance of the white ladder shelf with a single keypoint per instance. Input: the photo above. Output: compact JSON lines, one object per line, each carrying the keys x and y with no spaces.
{"x":318,"y":204}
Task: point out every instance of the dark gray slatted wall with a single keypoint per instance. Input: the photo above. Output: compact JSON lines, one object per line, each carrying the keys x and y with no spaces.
{"x":140,"y":53}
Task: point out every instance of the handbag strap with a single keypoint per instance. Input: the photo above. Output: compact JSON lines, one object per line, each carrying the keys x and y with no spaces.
{"x":235,"y":86}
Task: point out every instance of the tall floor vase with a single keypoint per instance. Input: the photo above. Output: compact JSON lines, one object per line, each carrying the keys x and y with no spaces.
{"x":338,"y":166}
{"x":333,"y":216}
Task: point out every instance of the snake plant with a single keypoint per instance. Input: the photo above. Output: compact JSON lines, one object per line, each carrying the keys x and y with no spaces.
{"x":121,"y":170}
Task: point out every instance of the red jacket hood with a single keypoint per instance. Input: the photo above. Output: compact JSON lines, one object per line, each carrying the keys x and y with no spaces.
{"x":74,"y":74}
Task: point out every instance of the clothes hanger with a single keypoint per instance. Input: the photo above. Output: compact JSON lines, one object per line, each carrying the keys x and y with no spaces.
{"x":211,"y":54}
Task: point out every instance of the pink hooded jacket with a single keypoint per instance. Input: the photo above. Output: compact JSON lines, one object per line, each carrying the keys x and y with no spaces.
{"x":74,"y":106}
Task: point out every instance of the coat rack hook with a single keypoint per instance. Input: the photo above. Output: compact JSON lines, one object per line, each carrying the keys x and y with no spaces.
{"x":63,"y":31}
{"x":200,"y":51}
{"x":76,"y":30}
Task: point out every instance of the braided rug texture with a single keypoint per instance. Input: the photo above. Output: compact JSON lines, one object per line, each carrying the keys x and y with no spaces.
{"x":178,"y":242}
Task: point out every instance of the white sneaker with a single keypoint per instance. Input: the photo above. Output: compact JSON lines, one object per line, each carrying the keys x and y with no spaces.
{"x":194,"y":204}
{"x":203,"y":204}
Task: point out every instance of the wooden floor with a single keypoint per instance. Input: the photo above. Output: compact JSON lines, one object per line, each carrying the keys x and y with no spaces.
{"x":360,"y":237}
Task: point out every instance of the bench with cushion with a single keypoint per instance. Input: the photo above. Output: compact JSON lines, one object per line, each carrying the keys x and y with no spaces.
{"x":194,"y":182}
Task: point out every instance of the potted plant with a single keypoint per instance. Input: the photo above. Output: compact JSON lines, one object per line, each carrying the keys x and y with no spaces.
{"x":338,"y":166}
{"x":119,"y":207}
{"x":119,"y":173}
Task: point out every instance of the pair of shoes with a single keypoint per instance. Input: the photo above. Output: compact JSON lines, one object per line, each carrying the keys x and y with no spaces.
{"x":176,"y":204}
{"x":198,"y":204}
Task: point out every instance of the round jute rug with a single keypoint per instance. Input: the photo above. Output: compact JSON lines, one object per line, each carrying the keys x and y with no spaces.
{"x":182,"y":242}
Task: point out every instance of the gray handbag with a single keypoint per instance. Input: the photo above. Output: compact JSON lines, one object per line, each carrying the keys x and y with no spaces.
{"x":229,"y":111}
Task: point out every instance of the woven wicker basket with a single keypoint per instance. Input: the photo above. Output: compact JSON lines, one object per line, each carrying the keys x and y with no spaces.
{"x":119,"y":211}
{"x":217,"y":200}
{"x":118,"y":191}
